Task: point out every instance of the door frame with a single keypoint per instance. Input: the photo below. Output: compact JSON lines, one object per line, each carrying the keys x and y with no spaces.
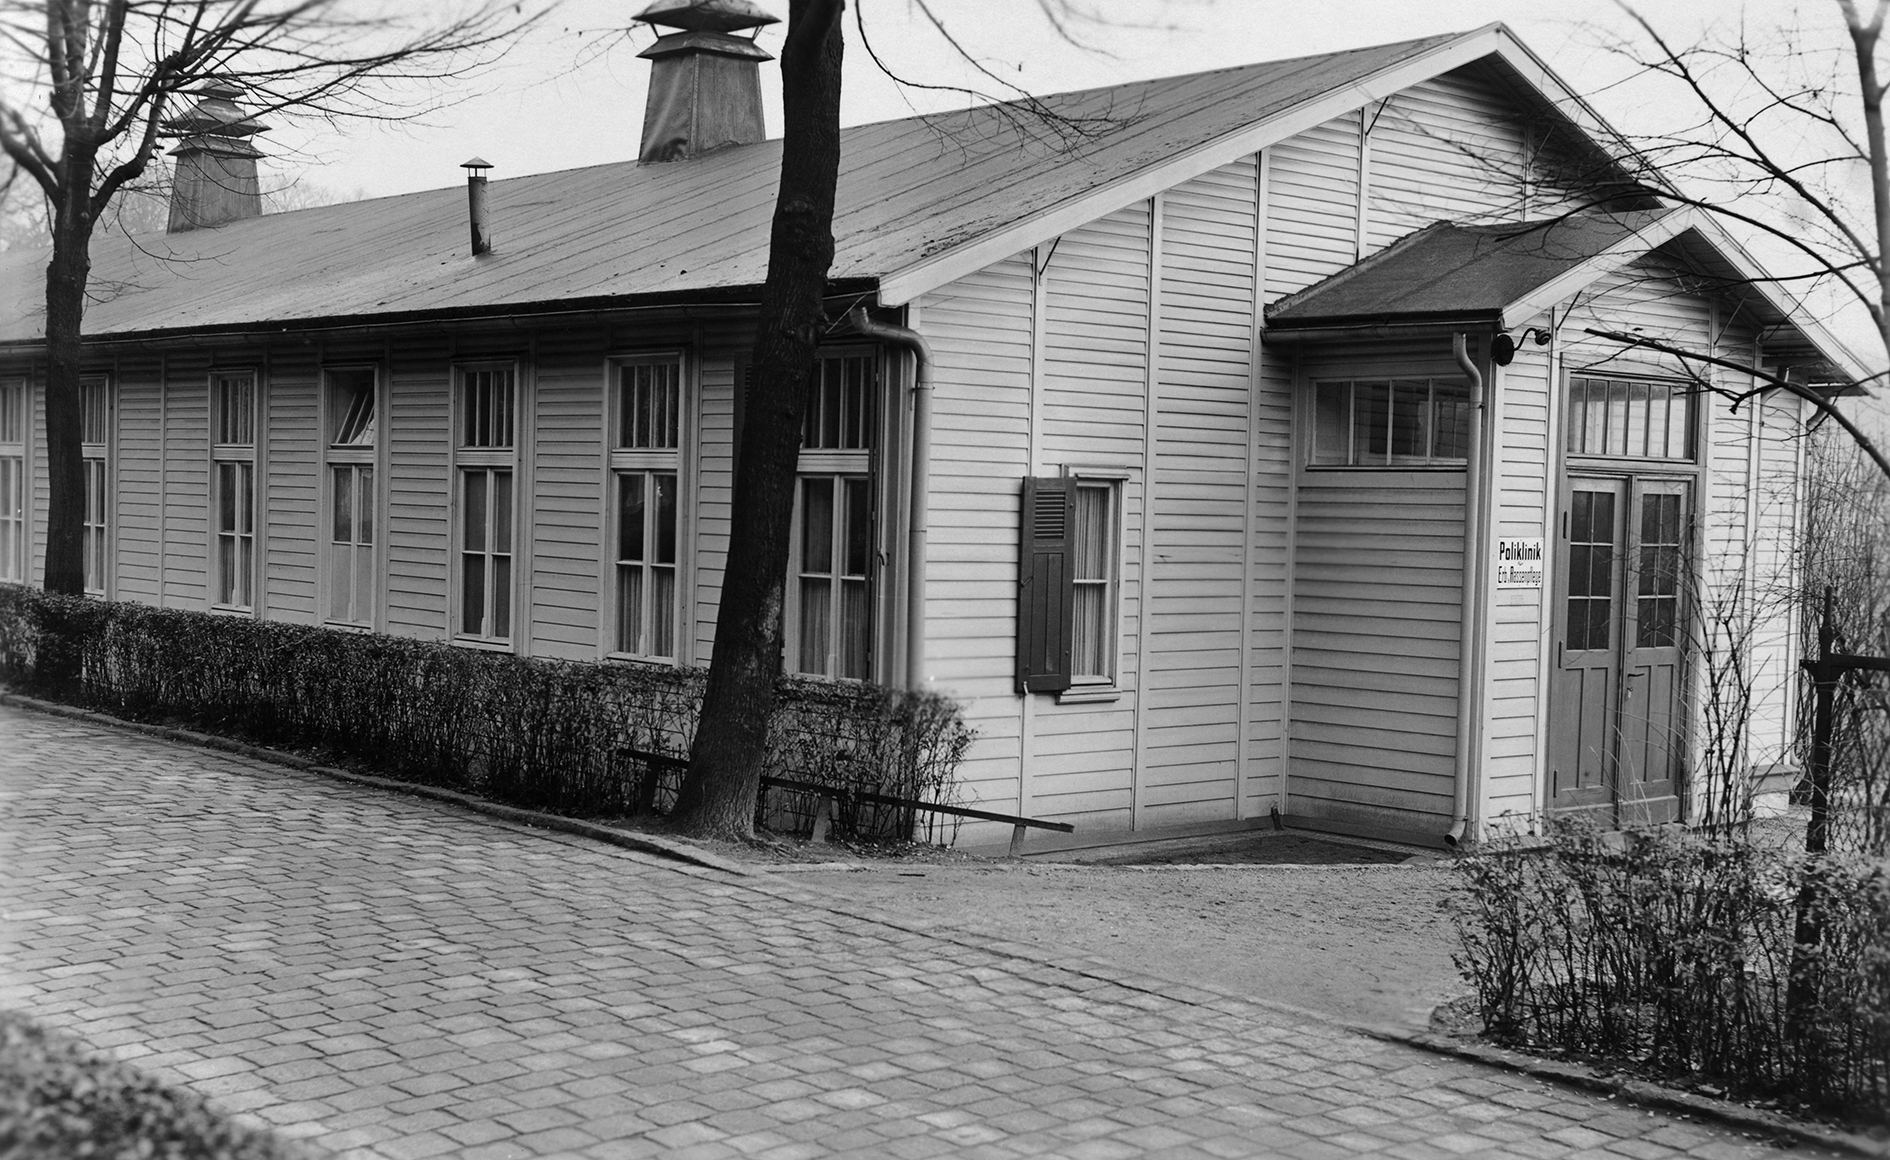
{"x":1632,"y":473}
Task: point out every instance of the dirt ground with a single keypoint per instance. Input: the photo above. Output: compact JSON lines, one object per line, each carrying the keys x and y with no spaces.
{"x":1365,"y":943}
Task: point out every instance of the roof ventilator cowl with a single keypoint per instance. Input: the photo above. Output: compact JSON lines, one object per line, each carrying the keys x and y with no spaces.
{"x":215,"y":180}
{"x":705,"y":82}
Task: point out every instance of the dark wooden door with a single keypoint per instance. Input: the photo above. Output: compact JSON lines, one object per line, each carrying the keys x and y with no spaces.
{"x":1616,"y":689}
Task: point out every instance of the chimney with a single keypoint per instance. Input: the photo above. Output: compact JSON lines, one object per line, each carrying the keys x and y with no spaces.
{"x":215,"y":180}
{"x":705,"y":84}
{"x":476,"y":204}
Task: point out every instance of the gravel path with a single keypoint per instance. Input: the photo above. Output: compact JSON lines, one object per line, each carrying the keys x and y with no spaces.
{"x":1365,"y":943}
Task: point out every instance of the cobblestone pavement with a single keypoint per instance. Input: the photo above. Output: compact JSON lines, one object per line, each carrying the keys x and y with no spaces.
{"x":384,"y":976}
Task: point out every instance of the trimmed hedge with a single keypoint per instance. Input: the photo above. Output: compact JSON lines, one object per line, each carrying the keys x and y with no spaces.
{"x":1672,"y":953}
{"x":553,"y":735}
{"x":57,"y":1100}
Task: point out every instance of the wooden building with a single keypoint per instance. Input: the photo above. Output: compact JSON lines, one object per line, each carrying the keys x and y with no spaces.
{"x":1268,"y":466}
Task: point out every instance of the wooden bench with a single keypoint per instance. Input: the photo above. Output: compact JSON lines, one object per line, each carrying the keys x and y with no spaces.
{"x":832,"y":799}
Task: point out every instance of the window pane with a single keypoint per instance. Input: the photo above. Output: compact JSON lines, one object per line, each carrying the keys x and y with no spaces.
{"x":475,"y":512}
{"x":1595,"y":420}
{"x":501,"y":511}
{"x":856,"y":403}
{"x":1659,"y":400}
{"x":1410,"y":406}
{"x":1090,"y":550}
{"x":340,"y":581}
{"x":12,"y":408}
{"x":830,"y":401}
{"x":344,"y":505}
{"x":1371,"y":419}
{"x":859,"y":527}
{"x":1090,"y":637}
{"x":662,"y":612}
{"x":665,"y":518}
{"x":629,"y":608}
{"x":817,"y":525}
{"x":364,"y":500}
{"x":630,"y":517}
{"x":1617,"y":418}
{"x":1332,"y":423}
{"x":226,"y":497}
{"x":351,"y":408}
{"x":1636,"y":444}
{"x":94,"y":410}
{"x":816,"y":622}
{"x":1680,"y":424}
{"x":245,"y":498}
{"x":1450,"y":433}
{"x":363,"y":609}
{"x":472,"y":594}
{"x":855,"y":628}
{"x":502,"y":596}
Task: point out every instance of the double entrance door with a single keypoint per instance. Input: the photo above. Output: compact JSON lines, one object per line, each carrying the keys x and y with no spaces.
{"x":1617,"y":686}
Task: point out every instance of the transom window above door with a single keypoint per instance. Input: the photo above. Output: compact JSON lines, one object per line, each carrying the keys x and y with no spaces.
{"x":1630,"y":418}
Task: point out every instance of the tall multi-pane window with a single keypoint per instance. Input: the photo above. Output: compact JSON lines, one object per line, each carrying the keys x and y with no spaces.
{"x":13,"y":427}
{"x":233,"y":460}
{"x":95,"y":407}
{"x":485,"y":406}
{"x":1093,"y":577}
{"x":645,"y":446}
{"x":352,"y":429}
{"x":834,"y":556}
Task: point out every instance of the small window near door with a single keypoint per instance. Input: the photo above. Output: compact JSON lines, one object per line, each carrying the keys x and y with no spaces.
{"x":1391,"y":423}
{"x":1591,"y":538}
{"x":1657,"y":610}
{"x":1630,"y":418}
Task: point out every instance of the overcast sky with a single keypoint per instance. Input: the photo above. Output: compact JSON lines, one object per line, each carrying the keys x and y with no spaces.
{"x":572,"y":93}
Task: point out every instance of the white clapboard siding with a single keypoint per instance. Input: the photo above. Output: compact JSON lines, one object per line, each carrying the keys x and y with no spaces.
{"x":137,"y":467}
{"x":1191,"y":699}
{"x":187,"y":481}
{"x":1093,"y":397}
{"x":1776,"y":504}
{"x":1522,"y":489}
{"x":1450,"y":148}
{"x":723,"y":344}
{"x":1312,"y":206}
{"x":979,"y":328}
{"x":566,"y":496}
{"x":1266,"y":656}
{"x":293,"y":465}
{"x":417,"y":542}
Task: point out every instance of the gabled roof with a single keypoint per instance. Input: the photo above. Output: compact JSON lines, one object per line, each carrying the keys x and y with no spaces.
{"x":921,"y":201}
{"x":1504,"y":275}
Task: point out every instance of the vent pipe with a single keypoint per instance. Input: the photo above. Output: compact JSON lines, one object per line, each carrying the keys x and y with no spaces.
{"x":1469,"y":687}
{"x":705,"y":83}
{"x":476,"y":212}
{"x":215,"y":179}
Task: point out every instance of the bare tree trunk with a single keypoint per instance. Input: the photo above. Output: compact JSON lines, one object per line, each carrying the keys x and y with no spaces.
{"x":66,"y":277}
{"x":718,"y":794}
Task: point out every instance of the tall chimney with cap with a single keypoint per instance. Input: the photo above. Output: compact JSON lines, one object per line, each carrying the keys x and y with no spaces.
{"x":215,"y":180}
{"x":705,"y":84}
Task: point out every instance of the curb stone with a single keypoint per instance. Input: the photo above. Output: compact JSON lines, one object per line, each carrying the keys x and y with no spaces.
{"x":1754,"y":1120}
{"x":1736,"y":1116}
{"x":645,"y":843}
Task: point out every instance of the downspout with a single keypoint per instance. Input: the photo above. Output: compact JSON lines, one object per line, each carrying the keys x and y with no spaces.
{"x":920,"y":496}
{"x":1467,"y":691}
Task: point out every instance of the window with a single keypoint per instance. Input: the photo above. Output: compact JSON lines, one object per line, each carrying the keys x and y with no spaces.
{"x":1657,"y":610}
{"x":1092,"y":577}
{"x":644,"y":468}
{"x":352,"y":501}
{"x":1391,"y":423}
{"x":835,"y":576}
{"x":13,"y":425}
{"x":233,"y":460}
{"x":95,"y":451}
{"x":1630,"y":418}
{"x":835,"y":558}
{"x":1068,"y":577}
{"x":484,"y":462}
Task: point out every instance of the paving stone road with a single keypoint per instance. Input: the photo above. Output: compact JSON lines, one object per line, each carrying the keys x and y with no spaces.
{"x":383,"y":976}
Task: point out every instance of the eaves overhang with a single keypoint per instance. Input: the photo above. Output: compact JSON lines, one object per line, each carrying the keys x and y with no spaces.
{"x":717,"y":298}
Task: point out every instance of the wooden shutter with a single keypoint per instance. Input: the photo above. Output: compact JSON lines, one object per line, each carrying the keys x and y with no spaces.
{"x":1046,"y":588}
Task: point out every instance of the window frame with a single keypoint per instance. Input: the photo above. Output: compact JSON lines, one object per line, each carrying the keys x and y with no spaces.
{"x":1429,"y":461}
{"x":839,"y":465}
{"x":16,"y":473}
{"x":371,"y":456}
{"x":1115,"y":481}
{"x":648,"y":462}
{"x":1694,"y":429}
{"x":462,"y":459}
{"x":240,"y":456}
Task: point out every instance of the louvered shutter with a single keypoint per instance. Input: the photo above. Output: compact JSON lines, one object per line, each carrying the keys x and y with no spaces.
{"x":1045,"y":589}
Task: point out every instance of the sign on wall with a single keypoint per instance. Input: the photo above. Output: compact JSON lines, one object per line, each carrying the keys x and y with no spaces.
{"x":1519,"y":563}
